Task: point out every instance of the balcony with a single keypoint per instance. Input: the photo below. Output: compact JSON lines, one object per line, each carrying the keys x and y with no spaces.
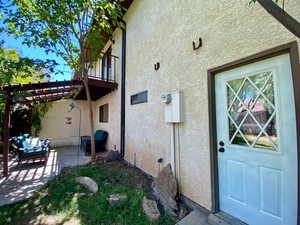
{"x":102,"y":79}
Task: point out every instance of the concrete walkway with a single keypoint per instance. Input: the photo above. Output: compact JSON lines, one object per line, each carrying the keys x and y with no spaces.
{"x":194,"y":218}
{"x":27,"y":177}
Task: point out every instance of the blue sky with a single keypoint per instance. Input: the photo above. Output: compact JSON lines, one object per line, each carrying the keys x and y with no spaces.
{"x":37,"y":53}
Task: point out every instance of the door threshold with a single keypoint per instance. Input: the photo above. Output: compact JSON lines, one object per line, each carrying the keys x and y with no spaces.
{"x":222,"y":218}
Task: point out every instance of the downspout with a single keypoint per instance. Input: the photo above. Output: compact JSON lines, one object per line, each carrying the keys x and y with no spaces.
{"x":123,"y":92}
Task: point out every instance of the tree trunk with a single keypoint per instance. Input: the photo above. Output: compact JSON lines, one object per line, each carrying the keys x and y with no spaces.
{"x":283,"y":17}
{"x":91,"y":117}
{"x":85,"y":77}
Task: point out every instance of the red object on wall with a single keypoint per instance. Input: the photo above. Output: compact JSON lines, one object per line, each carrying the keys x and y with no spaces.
{"x":68,"y":120}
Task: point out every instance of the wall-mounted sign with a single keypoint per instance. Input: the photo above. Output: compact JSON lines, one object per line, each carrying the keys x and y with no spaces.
{"x":68,"y":120}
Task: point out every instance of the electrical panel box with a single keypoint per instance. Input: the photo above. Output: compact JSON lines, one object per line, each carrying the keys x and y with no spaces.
{"x":173,"y":107}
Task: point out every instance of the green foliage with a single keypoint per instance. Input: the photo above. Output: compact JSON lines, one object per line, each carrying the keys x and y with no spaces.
{"x":38,"y":113}
{"x":21,"y":120}
{"x":58,"y":198}
{"x":68,"y":28}
{"x":15,"y":69}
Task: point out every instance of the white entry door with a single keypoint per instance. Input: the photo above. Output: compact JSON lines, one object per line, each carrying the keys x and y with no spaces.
{"x":257,"y":142}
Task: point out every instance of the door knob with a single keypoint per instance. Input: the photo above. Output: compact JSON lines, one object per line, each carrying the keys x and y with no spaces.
{"x":221,"y":143}
{"x":221,"y":149}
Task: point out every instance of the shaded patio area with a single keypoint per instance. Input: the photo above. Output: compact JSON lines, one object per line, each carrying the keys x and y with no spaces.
{"x":25,"y":178}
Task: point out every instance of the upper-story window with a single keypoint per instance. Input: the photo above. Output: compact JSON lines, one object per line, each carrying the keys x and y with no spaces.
{"x":106,"y":68}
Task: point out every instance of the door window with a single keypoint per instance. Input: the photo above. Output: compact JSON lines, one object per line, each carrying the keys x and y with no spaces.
{"x":251,"y":111}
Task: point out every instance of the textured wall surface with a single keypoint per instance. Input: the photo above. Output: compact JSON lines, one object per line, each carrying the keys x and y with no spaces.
{"x":163,"y":31}
{"x":113,"y":100}
{"x":54,"y":127}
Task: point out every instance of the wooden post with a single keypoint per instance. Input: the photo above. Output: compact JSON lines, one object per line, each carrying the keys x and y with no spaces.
{"x":6,"y":123}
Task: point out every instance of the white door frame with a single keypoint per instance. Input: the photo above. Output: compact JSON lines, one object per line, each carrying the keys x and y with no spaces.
{"x":292,"y":49}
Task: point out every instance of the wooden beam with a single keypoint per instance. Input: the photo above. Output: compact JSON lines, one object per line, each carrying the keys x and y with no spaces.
{"x":42,"y":85}
{"x":102,"y":84}
{"x":6,"y":122}
{"x":46,"y":98}
{"x":51,"y":91}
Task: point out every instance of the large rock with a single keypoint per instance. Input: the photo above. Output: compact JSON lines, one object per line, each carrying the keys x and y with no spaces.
{"x":88,"y":182}
{"x":165,"y":189}
{"x":115,"y":199}
{"x":98,"y":160}
{"x":111,"y":156}
{"x":150,"y":209}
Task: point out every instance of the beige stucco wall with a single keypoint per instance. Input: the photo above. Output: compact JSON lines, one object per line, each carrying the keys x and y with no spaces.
{"x":54,"y":127}
{"x":113,"y":100}
{"x":163,"y":31}
{"x":53,"y":124}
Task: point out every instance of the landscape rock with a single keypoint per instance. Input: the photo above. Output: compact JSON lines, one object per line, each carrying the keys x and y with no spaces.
{"x":115,"y":199}
{"x":150,"y":209}
{"x":98,"y":160}
{"x":111,"y":156}
{"x":89,"y":183}
{"x":165,"y":189}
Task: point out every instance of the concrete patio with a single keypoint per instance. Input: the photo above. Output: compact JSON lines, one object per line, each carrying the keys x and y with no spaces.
{"x":27,"y":177}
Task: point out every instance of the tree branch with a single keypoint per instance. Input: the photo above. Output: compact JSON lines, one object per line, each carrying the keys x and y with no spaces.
{"x":282,"y":16}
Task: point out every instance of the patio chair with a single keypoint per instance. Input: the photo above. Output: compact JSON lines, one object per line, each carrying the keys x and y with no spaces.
{"x":28,"y":147}
{"x":100,"y":141}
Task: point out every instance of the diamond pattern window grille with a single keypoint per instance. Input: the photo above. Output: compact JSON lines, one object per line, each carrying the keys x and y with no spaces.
{"x":251,"y":111}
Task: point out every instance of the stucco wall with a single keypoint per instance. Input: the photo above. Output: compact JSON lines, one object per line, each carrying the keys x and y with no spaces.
{"x":163,"y":31}
{"x":53,"y":124}
{"x":113,"y":100}
{"x":54,"y":127}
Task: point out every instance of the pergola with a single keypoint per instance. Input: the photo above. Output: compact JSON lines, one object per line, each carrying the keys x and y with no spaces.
{"x":35,"y":93}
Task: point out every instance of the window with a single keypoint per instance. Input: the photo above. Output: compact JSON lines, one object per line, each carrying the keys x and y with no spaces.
{"x":252,"y":111}
{"x":103,"y":113}
{"x":139,"y":98}
{"x":106,"y":73}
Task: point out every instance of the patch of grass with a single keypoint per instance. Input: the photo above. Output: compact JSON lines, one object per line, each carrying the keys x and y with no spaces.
{"x":56,"y":202}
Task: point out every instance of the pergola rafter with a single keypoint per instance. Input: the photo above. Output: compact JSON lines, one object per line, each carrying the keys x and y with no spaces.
{"x":51,"y":91}
{"x":29,"y":94}
{"x":41,"y":85}
{"x":47,"y":98}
